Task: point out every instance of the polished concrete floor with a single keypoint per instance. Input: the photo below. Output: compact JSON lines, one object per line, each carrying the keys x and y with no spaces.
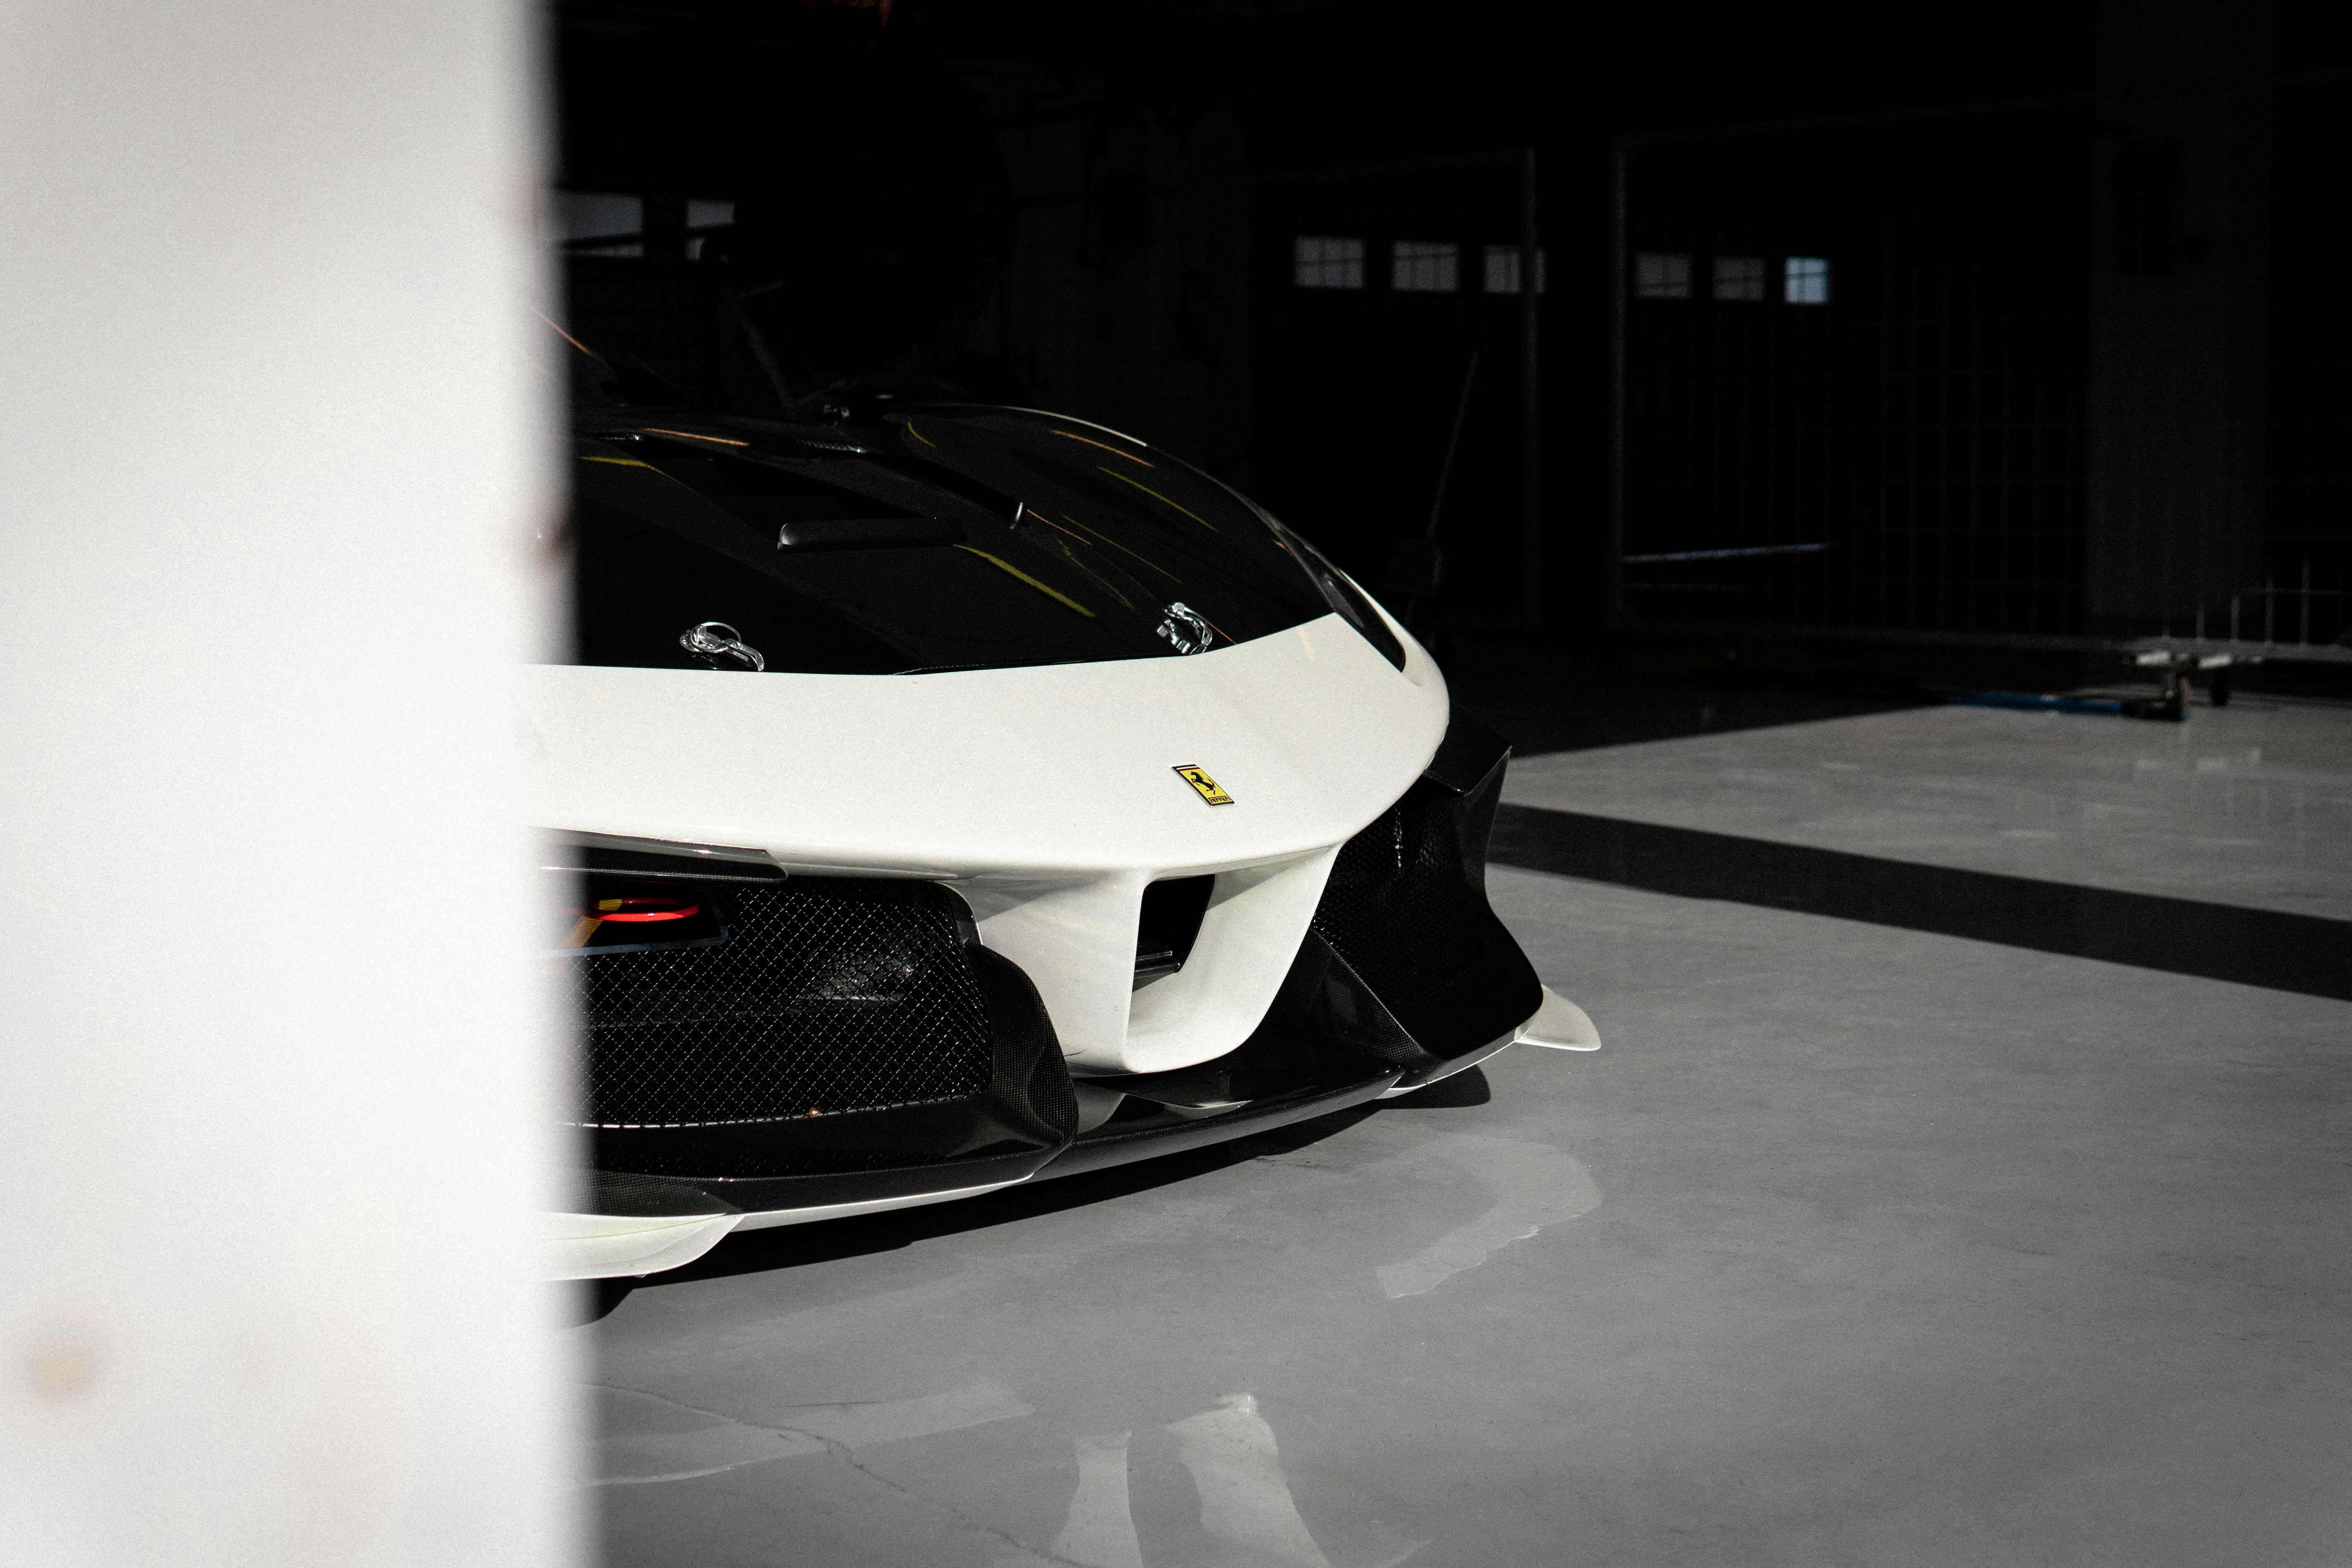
{"x":2248,"y":804}
{"x":1860,"y":1243}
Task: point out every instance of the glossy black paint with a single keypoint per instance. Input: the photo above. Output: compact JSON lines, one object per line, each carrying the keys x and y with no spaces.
{"x":1406,"y":905}
{"x":1119,"y":1144}
{"x":938,"y":537}
{"x":645,"y":865}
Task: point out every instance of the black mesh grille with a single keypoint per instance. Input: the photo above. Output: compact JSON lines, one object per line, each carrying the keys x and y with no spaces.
{"x":827,"y":995}
{"x":1398,"y":906}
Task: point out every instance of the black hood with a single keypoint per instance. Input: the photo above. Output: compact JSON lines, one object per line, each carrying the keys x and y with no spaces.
{"x":941,"y":536}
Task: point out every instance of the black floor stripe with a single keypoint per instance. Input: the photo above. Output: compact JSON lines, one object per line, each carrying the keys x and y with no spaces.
{"x":2217,"y":941}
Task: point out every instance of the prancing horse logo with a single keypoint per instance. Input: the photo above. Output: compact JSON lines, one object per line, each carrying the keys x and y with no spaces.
{"x":1191,"y":774}
{"x":1186,"y":629}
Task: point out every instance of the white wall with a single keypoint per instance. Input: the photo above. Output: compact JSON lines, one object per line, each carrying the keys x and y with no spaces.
{"x":275,"y":1085}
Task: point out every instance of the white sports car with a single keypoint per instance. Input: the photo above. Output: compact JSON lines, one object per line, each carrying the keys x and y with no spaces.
{"x":943,"y":797}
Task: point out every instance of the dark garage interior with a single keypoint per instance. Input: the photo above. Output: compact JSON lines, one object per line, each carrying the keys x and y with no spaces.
{"x":987,"y":783}
{"x":2010,"y":331}
{"x":1000,"y":783}
{"x":1906,"y":535}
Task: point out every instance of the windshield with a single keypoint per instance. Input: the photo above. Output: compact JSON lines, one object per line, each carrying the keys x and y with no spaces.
{"x":948,"y":537}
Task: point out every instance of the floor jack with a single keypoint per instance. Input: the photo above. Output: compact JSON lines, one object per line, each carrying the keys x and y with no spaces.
{"x":2177,"y":667}
{"x":2172,"y":705}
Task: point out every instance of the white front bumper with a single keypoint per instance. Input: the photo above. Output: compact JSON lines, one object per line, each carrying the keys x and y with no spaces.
{"x":1048,"y":796}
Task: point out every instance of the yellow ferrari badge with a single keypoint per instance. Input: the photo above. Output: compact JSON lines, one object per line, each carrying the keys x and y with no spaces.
{"x":1191,"y":774}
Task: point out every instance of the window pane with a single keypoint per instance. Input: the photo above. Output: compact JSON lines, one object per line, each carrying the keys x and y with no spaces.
{"x":591,"y":214}
{"x":1739,"y":278}
{"x":1423,"y":267}
{"x":700,"y":215}
{"x":1503,"y":269}
{"x":1662,"y":276}
{"x":1324,"y":261}
{"x":1807,"y":280}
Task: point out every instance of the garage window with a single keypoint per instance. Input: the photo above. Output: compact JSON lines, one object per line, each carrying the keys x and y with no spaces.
{"x":1503,"y":269}
{"x":571,"y":216}
{"x":1739,"y":278}
{"x":1424,"y":267}
{"x":1661,"y":275}
{"x":1325,"y":261}
{"x":1806,"y":281}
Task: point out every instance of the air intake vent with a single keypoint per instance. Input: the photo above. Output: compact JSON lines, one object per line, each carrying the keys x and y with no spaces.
{"x":1406,"y":904}
{"x":1402,"y":906}
{"x":1168,"y":923}
{"x":825,"y":996}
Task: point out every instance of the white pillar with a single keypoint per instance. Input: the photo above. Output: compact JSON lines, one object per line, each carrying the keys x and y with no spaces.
{"x":277,"y":1088}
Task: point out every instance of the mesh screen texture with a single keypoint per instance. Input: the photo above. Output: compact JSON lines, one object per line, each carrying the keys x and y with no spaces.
{"x":1398,"y":906}
{"x":828,"y":997}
